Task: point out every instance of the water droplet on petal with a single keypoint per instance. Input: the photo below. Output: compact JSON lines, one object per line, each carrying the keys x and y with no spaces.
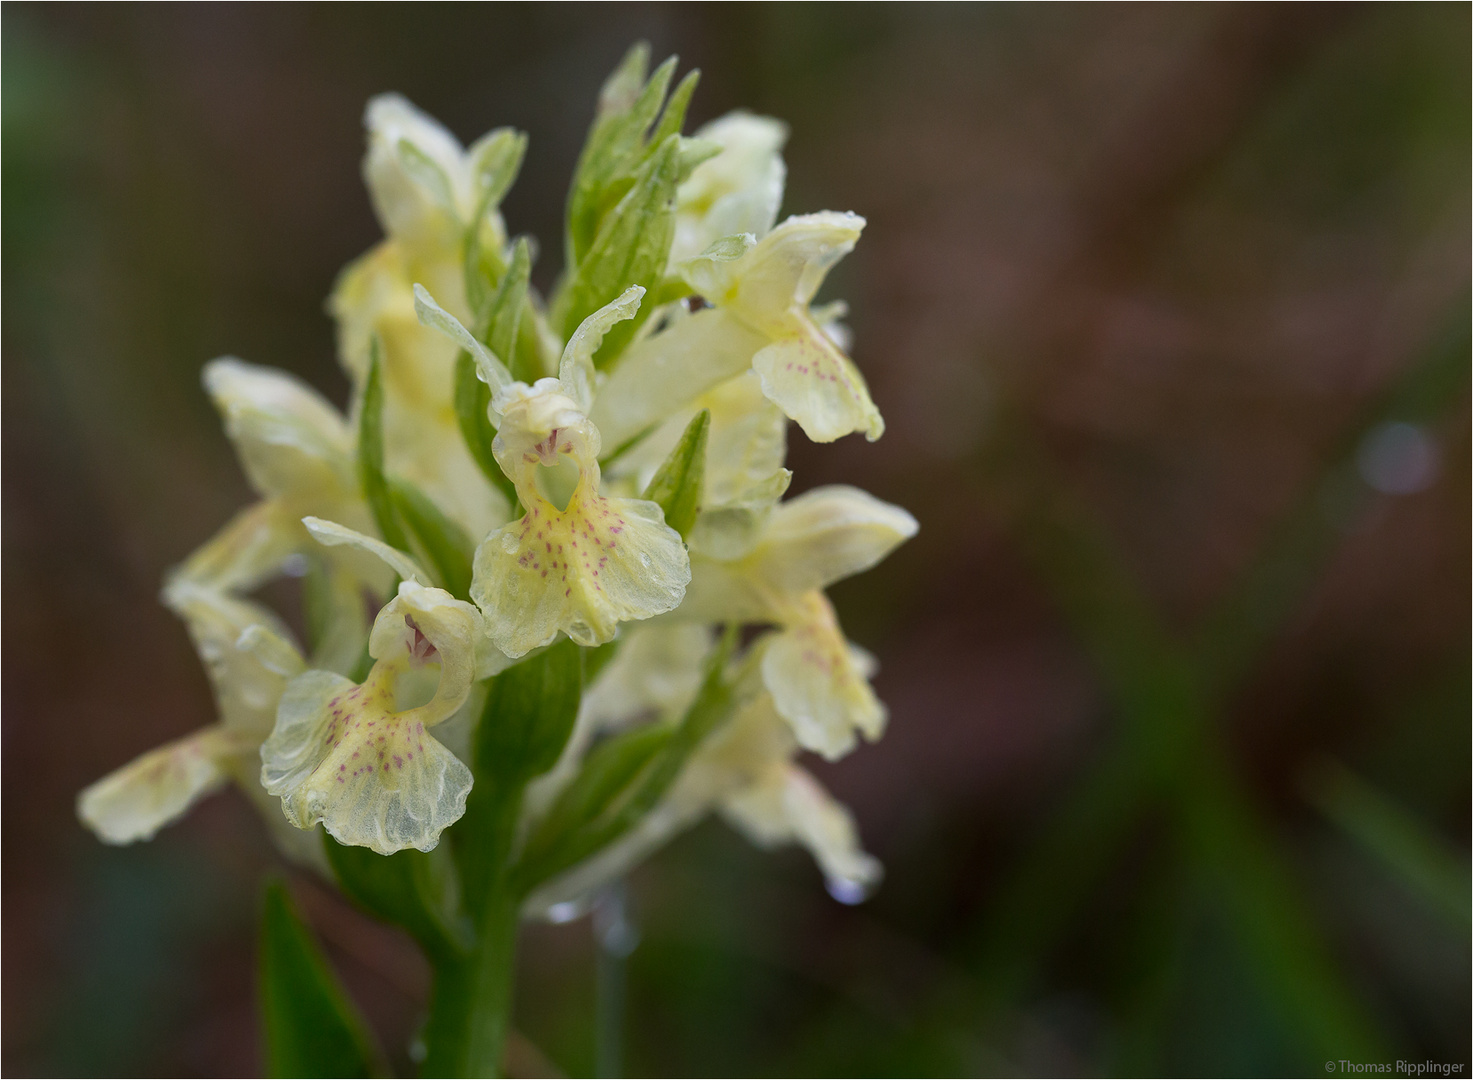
{"x":847,"y":890}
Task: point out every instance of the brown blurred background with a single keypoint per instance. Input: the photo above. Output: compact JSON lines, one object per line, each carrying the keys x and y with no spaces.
{"x":1166,"y":308}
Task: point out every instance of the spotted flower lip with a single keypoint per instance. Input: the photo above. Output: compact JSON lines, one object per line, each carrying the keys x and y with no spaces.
{"x":583,"y":568}
{"x":357,"y":758}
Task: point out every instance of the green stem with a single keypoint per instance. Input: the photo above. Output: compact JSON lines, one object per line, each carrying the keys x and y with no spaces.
{"x":470,"y":1005}
{"x":490,"y":987}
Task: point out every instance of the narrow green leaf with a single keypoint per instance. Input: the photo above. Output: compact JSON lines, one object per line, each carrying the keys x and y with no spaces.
{"x":617,"y":146}
{"x":412,"y":889}
{"x":643,"y":112}
{"x":607,"y":142}
{"x":496,"y":159}
{"x":506,"y":313}
{"x":632,"y":248}
{"x":593,"y":825}
{"x":673,"y":118}
{"x":311,"y":1027}
{"x":472,"y":400}
{"x":607,"y":773}
{"x":694,"y":152}
{"x":680,"y":481}
{"x":444,"y":543}
{"x":371,"y":451}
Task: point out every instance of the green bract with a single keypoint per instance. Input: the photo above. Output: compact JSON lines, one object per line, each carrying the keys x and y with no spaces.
{"x":562,"y":510}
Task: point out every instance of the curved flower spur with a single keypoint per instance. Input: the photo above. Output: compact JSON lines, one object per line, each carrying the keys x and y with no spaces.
{"x":528,"y":550}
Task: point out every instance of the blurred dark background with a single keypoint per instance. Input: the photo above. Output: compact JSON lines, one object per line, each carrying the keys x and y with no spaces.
{"x":1167,"y":310}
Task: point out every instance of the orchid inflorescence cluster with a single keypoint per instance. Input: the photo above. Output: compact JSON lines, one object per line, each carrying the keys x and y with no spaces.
{"x":554,"y":598}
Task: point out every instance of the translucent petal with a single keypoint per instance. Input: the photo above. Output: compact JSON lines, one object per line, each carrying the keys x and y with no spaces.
{"x":158,"y":787}
{"x":575,"y":370}
{"x":734,"y":756}
{"x":246,"y":687}
{"x":817,"y":683}
{"x":290,"y":440}
{"x":664,"y":371}
{"x":745,"y":446}
{"x":375,"y":779}
{"x":413,"y":170}
{"x":790,"y":805}
{"x":738,"y":191}
{"x":580,"y":571}
{"x":331,"y":534}
{"x":248,"y":551}
{"x":807,"y":376}
{"x":422,"y":438}
{"x":492,"y":371}
{"x":788,"y":266}
{"x":659,"y":668}
{"x":827,"y":534}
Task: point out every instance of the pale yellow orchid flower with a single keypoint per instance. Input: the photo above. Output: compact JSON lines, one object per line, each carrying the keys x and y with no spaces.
{"x":744,"y":770}
{"x":740,"y":190}
{"x":249,"y":658}
{"x":359,"y":757}
{"x":760,"y":292}
{"x":818,"y":681}
{"x":426,"y":190}
{"x":583,"y":567}
{"x":297,"y":452}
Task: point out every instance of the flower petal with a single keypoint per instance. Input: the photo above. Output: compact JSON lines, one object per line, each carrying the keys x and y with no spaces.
{"x":787,"y":267}
{"x":737,"y":191}
{"x":827,"y":534}
{"x":817,"y":683}
{"x":489,"y":366}
{"x":580,"y":571}
{"x":291,"y":441}
{"x":807,"y":376}
{"x":331,"y":534}
{"x":790,"y":805}
{"x":246,"y":689}
{"x":575,"y":370}
{"x":247,"y":552}
{"x":660,"y":373}
{"x":452,"y":629}
{"x":658,"y":669}
{"x":158,"y":787}
{"x":340,"y":756}
{"x":413,"y":170}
